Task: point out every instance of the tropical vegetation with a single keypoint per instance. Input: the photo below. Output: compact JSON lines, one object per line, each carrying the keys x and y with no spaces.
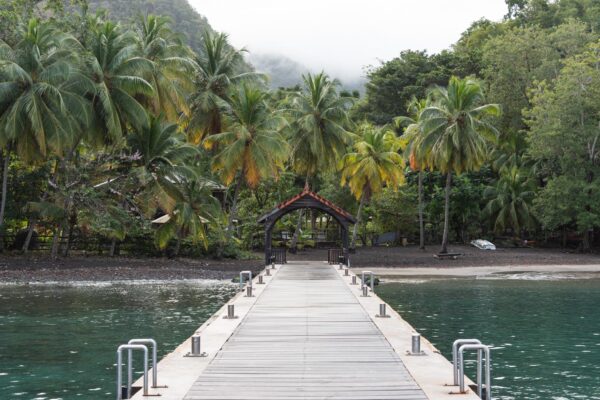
{"x":122,"y":133}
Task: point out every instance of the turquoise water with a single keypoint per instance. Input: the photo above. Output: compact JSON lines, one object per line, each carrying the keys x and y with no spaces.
{"x":545,"y":333}
{"x":60,"y":342}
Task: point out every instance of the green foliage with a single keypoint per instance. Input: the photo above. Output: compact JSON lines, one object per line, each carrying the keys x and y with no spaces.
{"x":218,"y":70}
{"x":374,"y":164}
{"x":318,"y":135}
{"x":41,"y":103}
{"x":456,"y":127}
{"x":510,"y":201}
{"x":102,"y":115}
{"x":564,"y":137}
{"x":253,"y":145}
{"x":392,"y":85}
{"x":395,"y":210}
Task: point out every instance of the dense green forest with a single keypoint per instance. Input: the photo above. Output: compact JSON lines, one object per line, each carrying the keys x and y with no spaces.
{"x":115,"y":114}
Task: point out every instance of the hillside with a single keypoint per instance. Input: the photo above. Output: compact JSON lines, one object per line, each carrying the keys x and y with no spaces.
{"x":283,"y":71}
{"x":185,"y":19}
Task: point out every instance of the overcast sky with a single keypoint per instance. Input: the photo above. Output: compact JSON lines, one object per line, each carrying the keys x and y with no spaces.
{"x":344,"y":36}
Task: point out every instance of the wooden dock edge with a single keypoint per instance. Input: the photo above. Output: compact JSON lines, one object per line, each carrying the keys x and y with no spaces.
{"x":179,"y":372}
{"x":432,"y":372}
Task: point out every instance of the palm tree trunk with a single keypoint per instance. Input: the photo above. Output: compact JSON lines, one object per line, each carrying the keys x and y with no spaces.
{"x":177,"y":246}
{"x":233,"y":211}
{"x":30,"y":229}
{"x":6,"y":163}
{"x":421,"y":224}
{"x":296,"y":234}
{"x":55,"y":243}
{"x":358,"y":217}
{"x":113,"y":247}
{"x":446,"y":213}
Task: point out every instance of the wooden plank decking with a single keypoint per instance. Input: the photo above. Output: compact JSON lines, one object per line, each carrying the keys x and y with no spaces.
{"x":306,"y":337}
{"x":307,"y":334}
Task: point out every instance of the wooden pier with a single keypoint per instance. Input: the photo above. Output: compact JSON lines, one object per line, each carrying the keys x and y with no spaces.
{"x":306,"y":334}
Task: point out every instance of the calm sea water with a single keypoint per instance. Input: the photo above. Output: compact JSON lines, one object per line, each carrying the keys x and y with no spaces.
{"x":545,"y":331}
{"x":60,"y":342}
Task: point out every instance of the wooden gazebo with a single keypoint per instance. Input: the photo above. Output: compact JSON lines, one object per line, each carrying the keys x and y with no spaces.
{"x":306,"y":199}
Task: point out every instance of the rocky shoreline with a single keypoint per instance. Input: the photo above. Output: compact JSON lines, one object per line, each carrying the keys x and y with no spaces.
{"x":390,"y":260}
{"x":103,"y":269}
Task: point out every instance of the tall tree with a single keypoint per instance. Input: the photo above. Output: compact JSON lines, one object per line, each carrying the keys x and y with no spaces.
{"x":219,"y":67}
{"x":413,"y":135}
{"x":455,"y":131}
{"x":317,"y":134}
{"x":253,"y":147}
{"x":119,"y":71}
{"x":172,"y":68}
{"x":564,"y":140}
{"x":373,"y":165}
{"x":41,"y":103}
{"x":162,"y":164}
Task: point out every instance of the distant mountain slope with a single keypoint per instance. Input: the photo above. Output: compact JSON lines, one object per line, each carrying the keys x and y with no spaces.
{"x":282,"y":71}
{"x":185,"y":19}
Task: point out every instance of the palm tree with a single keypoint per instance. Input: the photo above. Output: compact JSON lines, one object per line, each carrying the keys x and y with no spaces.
{"x":456,"y":130}
{"x":253,"y":148}
{"x":413,"y":135}
{"x":190,"y":216}
{"x":318,"y":135}
{"x":172,"y":66}
{"x":162,"y":164}
{"x":219,"y":67}
{"x":41,"y":103}
{"x":374,"y":164}
{"x":118,"y":70}
{"x":509,"y":202}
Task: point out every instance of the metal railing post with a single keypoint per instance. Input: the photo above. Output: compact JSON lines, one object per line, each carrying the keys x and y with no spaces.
{"x":416,"y":343}
{"x":457,"y":343}
{"x":249,"y":274}
{"x":382,"y":311}
{"x":488,"y":378}
{"x":230,"y":312}
{"x":371,"y":278}
{"x":130,"y":348}
{"x":152,"y":342}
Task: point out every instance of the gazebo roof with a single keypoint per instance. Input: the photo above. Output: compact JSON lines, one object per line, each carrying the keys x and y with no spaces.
{"x":309,"y":199}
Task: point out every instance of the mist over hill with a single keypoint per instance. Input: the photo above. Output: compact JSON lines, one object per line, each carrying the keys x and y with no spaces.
{"x":282,"y":70}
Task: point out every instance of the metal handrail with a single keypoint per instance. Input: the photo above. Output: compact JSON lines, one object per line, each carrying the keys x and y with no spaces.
{"x":457,"y":343}
{"x":130,"y":348}
{"x":372,"y":280}
{"x":151,"y":342}
{"x":488,"y":379}
{"x":242,"y":273}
